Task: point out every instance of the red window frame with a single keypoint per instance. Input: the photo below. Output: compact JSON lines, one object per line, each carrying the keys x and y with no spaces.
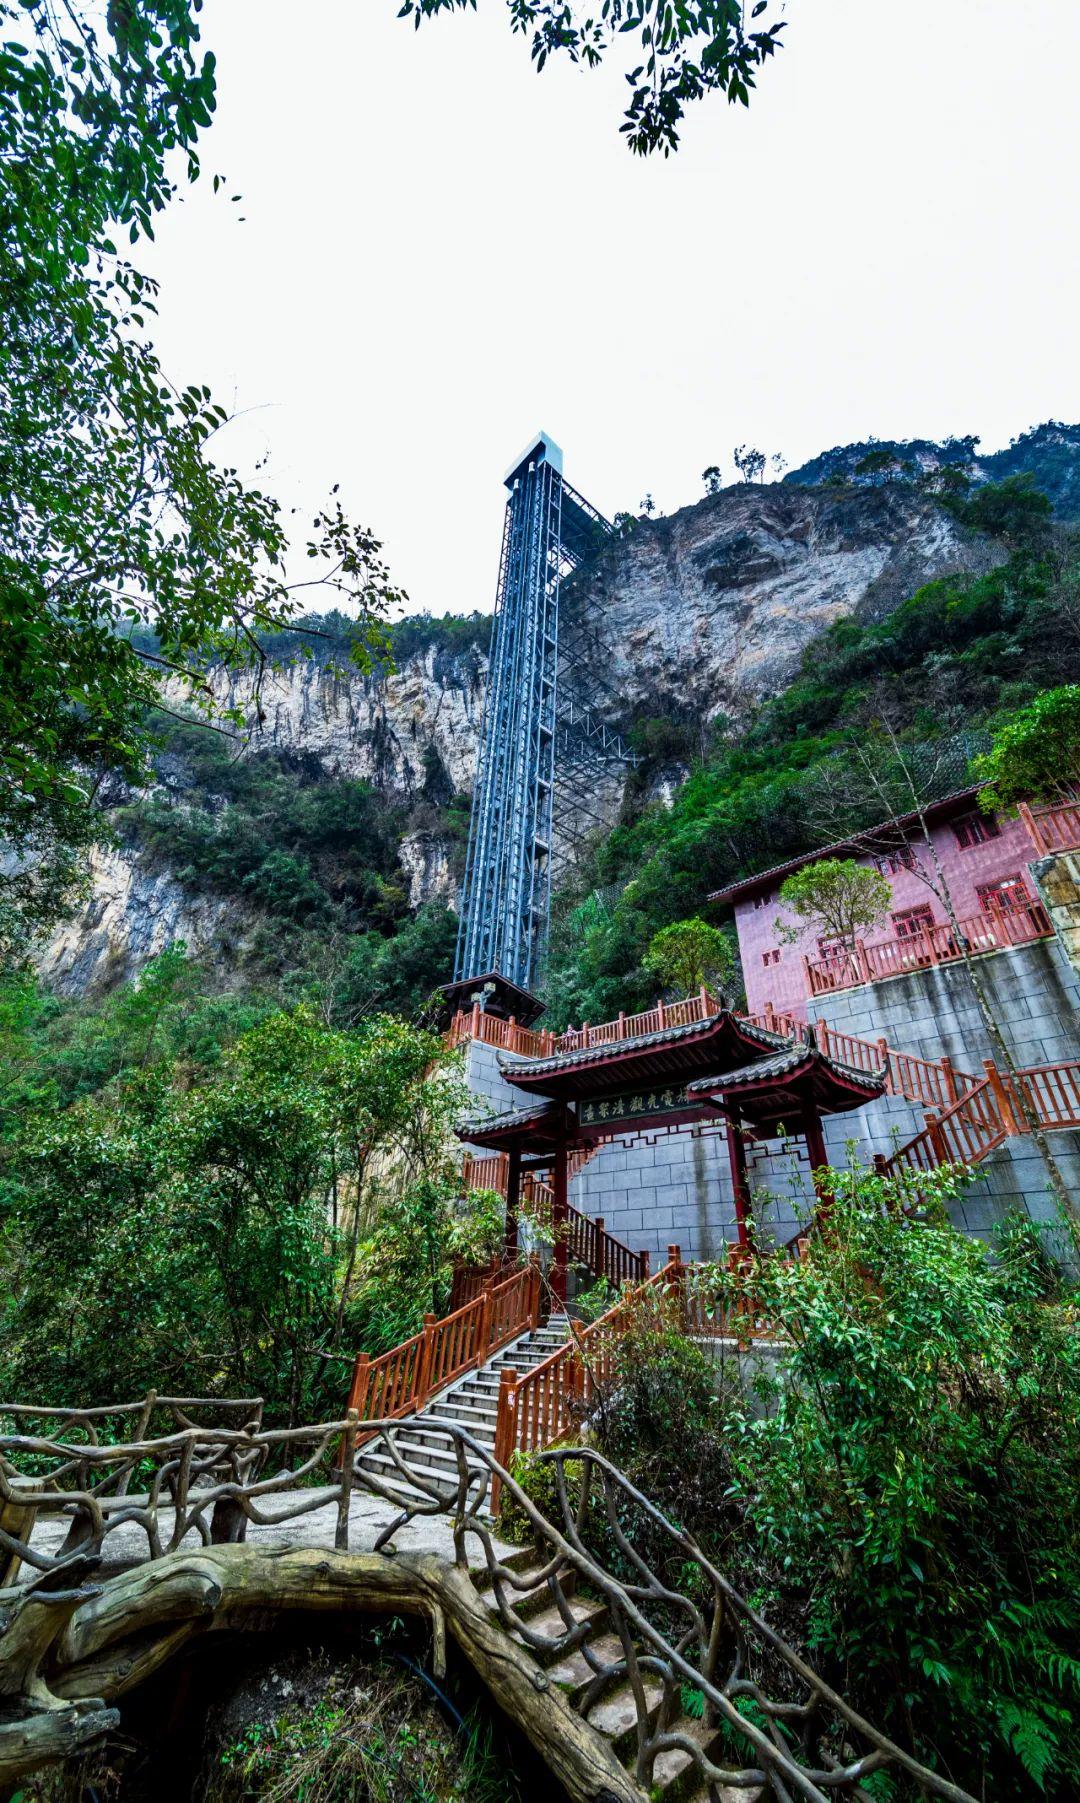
{"x":910,"y":923}
{"x":995,"y":898}
{"x":975,"y":829}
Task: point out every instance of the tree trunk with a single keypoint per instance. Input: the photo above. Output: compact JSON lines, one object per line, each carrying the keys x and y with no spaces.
{"x":111,"y":1640}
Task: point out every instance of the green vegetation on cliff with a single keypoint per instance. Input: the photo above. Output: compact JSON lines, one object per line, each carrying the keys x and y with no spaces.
{"x":959,"y":652}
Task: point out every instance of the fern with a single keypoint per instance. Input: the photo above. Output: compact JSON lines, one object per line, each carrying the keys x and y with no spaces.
{"x":1031,"y":1739}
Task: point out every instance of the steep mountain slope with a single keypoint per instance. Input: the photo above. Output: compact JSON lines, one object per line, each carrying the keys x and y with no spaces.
{"x":681,"y":622}
{"x":708,"y":610}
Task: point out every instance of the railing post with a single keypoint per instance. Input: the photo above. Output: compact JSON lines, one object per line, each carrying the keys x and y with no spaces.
{"x":808,"y":975}
{"x":622,"y":1023}
{"x":703,"y":1001}
{"x":1012,"y":1118}
{"x":644,"y":1257}
{"x":348,"y":1456}
{"x":484,"y":1336}
{"x":886,"y":1065}
{"x":505,"y":1431}
{"x":937,"y":1137}
{"x":770,"y":1018}
{"x":660,"y":1014}
{"x":423,"y":1363}
{"x":1030,"y":822}
{"x":949,"y":1077}
{"x":534,"y":1291}
{"x":358,"y":1393}
{"x":861,"y":960}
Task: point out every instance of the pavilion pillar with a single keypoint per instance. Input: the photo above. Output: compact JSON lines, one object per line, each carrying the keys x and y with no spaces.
{"x":559,"y":1227}
{"x":513,"y":1198}
{"x":740,"y":1185}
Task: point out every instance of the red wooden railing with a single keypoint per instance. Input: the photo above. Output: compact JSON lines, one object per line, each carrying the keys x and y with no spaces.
{"x":934,"y":944}
{"x":990,"y":1113}
{"x":544,"y":1405}
{"x":1053,"y":1092}
{"x":1055,"y":826}
{"x":406,"y":1378}
{"x":538,"y":1042}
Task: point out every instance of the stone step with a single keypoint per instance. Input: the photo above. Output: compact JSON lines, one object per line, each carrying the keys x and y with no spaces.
{"x":479,"y":1421}
{"x":549,"y":1622}
{"x":436,"y":1458}
{"x":574,"y":1672}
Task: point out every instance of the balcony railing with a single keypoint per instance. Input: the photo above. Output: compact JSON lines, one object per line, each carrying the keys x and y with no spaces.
{"x":538,"y":1042}
{"x":930,"y":945}
{"x":1053,"y":827}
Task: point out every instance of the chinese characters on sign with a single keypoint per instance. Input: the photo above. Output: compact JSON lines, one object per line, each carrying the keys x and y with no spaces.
{"x":623,"y":1108}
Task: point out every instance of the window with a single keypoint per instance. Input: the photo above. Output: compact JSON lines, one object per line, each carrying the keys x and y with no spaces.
{"x":975,"y":829}
{"x":913,"y":922}
{"x":772,"y":957}
{"x":890,"y":862}
{"x":1008,"y":896}
{"x":761,"y":901}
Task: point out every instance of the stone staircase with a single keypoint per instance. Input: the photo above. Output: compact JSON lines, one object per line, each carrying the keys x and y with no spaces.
{"x":613,"y":1715}
{"x":472,"y":1402}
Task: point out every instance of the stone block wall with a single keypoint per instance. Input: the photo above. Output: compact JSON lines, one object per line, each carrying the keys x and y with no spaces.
{"x":1033,"y":988}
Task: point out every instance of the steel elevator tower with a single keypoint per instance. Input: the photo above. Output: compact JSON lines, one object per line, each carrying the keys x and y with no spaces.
{"x":531,"y":735}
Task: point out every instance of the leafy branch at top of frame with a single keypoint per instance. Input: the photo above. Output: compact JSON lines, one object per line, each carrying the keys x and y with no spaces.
{"x":689,"y":51}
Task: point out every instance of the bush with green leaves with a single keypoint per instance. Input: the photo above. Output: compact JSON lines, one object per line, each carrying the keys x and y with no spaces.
{"x":202,"y":1228}
{"x":917,"y":1486}
{"x":1035,"y":755}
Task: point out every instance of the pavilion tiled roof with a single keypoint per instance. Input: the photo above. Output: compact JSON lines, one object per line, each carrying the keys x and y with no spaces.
{"x":496,"y":1130}
{"x":826,"y":1083}
{"x":664,"y":1054}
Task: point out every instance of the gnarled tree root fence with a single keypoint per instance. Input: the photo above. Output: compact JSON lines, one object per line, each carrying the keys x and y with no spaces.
{"x":580,"y":1639}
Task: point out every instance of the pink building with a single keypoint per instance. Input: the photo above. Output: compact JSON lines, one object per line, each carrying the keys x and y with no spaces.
{"x":985,"y":861}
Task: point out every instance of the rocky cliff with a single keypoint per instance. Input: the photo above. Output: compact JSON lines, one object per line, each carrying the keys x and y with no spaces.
{"x":709,"y":610}
{"x":691,"y":616}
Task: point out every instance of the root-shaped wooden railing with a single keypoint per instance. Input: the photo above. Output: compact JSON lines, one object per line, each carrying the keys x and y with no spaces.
{"x":405,"y":1379}
{"x":770,"y":1724}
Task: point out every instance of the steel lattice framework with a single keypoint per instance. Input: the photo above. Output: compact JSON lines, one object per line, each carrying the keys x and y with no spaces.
{"x":530,"y":739}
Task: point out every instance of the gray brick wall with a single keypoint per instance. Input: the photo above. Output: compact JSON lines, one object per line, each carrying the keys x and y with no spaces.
{"x":1034,"y":990}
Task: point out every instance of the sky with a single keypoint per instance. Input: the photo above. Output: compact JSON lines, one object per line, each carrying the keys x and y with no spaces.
{"x":438,"y":252}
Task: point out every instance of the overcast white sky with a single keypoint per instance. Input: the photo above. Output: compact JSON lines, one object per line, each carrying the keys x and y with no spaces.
{"x":442,"y":251}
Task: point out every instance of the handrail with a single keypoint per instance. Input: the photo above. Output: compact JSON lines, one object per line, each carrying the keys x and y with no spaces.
{"x":995,"y":930}
{"x":539,"y":1408}
{"x":540,"y":1042}
{"x":1052,"y":826}
{"x":707,"y":1639}
{"x":403,"y":1380}
{"x":990,"y":1113}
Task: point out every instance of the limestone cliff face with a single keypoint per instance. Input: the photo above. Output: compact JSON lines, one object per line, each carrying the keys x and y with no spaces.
{"x":710,"y":609}
{"x":132,"y":913}
{"x":701,"y":613}
{"x":372,"y":727}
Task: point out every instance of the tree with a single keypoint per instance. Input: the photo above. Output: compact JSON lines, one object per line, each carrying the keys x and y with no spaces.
{"x":690,"y":955}
{"x":1035,"y":755}
{"x":713,"y":479}
{"x":1014,"y":510}
{"x":749,"y":462}
{"x":880,"y":465}
{"x":836,"y":898}
{"x":648,"y":506}
{"x":238,"y":1227}
{"x":686,"y":53}
{"x":127,"y":553}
